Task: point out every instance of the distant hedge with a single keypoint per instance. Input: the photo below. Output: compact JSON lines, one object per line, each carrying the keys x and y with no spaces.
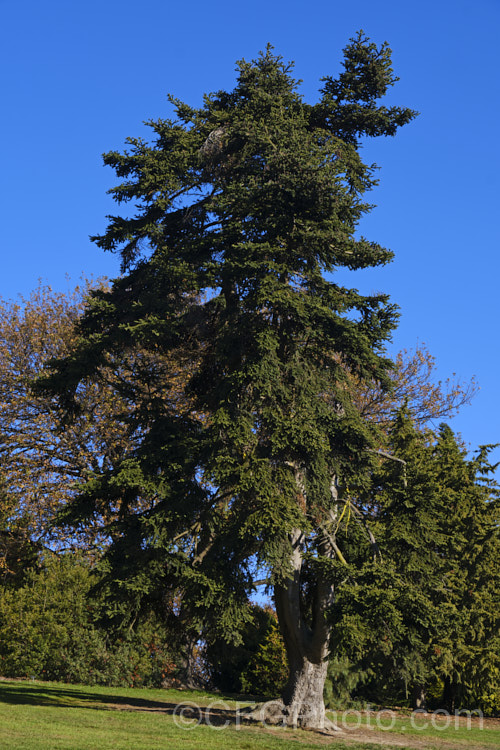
{"x":49,"y":630}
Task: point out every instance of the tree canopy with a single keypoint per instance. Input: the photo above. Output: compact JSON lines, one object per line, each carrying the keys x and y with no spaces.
{"x":244,"y":209}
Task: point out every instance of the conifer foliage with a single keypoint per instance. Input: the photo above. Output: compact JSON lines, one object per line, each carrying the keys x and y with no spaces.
{"x":423,"y":621}
{"x":243,"y":210}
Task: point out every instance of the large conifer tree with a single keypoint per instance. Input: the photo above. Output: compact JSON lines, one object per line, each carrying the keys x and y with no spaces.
{"x":243,"y":211}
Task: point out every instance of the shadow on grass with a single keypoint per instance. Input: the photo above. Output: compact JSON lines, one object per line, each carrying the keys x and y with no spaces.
{"x":26,"y":693}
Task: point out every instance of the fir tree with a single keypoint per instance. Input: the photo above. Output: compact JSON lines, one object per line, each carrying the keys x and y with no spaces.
{"x":244,"y":210}
{"x":469,"y":644}
{"x":413,"y":539}
{"x":425,"y":613}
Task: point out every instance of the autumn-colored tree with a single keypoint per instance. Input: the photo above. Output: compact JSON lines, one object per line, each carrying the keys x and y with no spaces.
{"x":44,"y":459}
{"x":41,"y":461}
{"x":414,"y":383}
{"x":17,"y":550}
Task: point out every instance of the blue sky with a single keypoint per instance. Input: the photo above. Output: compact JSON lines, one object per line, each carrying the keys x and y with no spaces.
{"x":78,"y":78}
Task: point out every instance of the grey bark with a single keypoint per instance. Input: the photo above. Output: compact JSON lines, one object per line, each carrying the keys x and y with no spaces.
{"x":307,"y":646}
{"x":418,"y":698}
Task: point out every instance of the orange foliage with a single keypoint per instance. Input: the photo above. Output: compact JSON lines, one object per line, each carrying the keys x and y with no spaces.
{"x":413,"y":381}
{"x":43,"y":459}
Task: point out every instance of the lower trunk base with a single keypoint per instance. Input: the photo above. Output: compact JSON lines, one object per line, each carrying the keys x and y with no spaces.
{"x":303,"y":695}
{"x":276,"y":713}
{"x":302,"y":704}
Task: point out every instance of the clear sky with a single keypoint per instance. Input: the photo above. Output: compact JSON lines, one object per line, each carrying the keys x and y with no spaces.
{"x":78,"y":78}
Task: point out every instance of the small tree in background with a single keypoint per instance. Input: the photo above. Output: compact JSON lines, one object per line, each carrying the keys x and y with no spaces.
{"x":267,"y":671}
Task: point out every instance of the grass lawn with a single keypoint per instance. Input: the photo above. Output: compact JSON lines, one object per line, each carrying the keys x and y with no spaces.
{"x":421,"y":730}
{"x":53,"y":716}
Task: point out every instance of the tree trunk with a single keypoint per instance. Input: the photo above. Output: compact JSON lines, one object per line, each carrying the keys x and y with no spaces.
{"x":307,"y":645}
{"x":450,"y":694}
{"x":303,"y":694}
{"x":418,"y":698}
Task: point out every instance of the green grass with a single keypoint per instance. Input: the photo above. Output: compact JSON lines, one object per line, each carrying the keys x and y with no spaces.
{"x":53,"y":716}
{"x":433,"y":730}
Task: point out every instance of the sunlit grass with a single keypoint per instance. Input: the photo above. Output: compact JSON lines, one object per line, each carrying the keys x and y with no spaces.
{"x":54,"y":716}
{"x":51,"y":716}
{"x":437,"y":729}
